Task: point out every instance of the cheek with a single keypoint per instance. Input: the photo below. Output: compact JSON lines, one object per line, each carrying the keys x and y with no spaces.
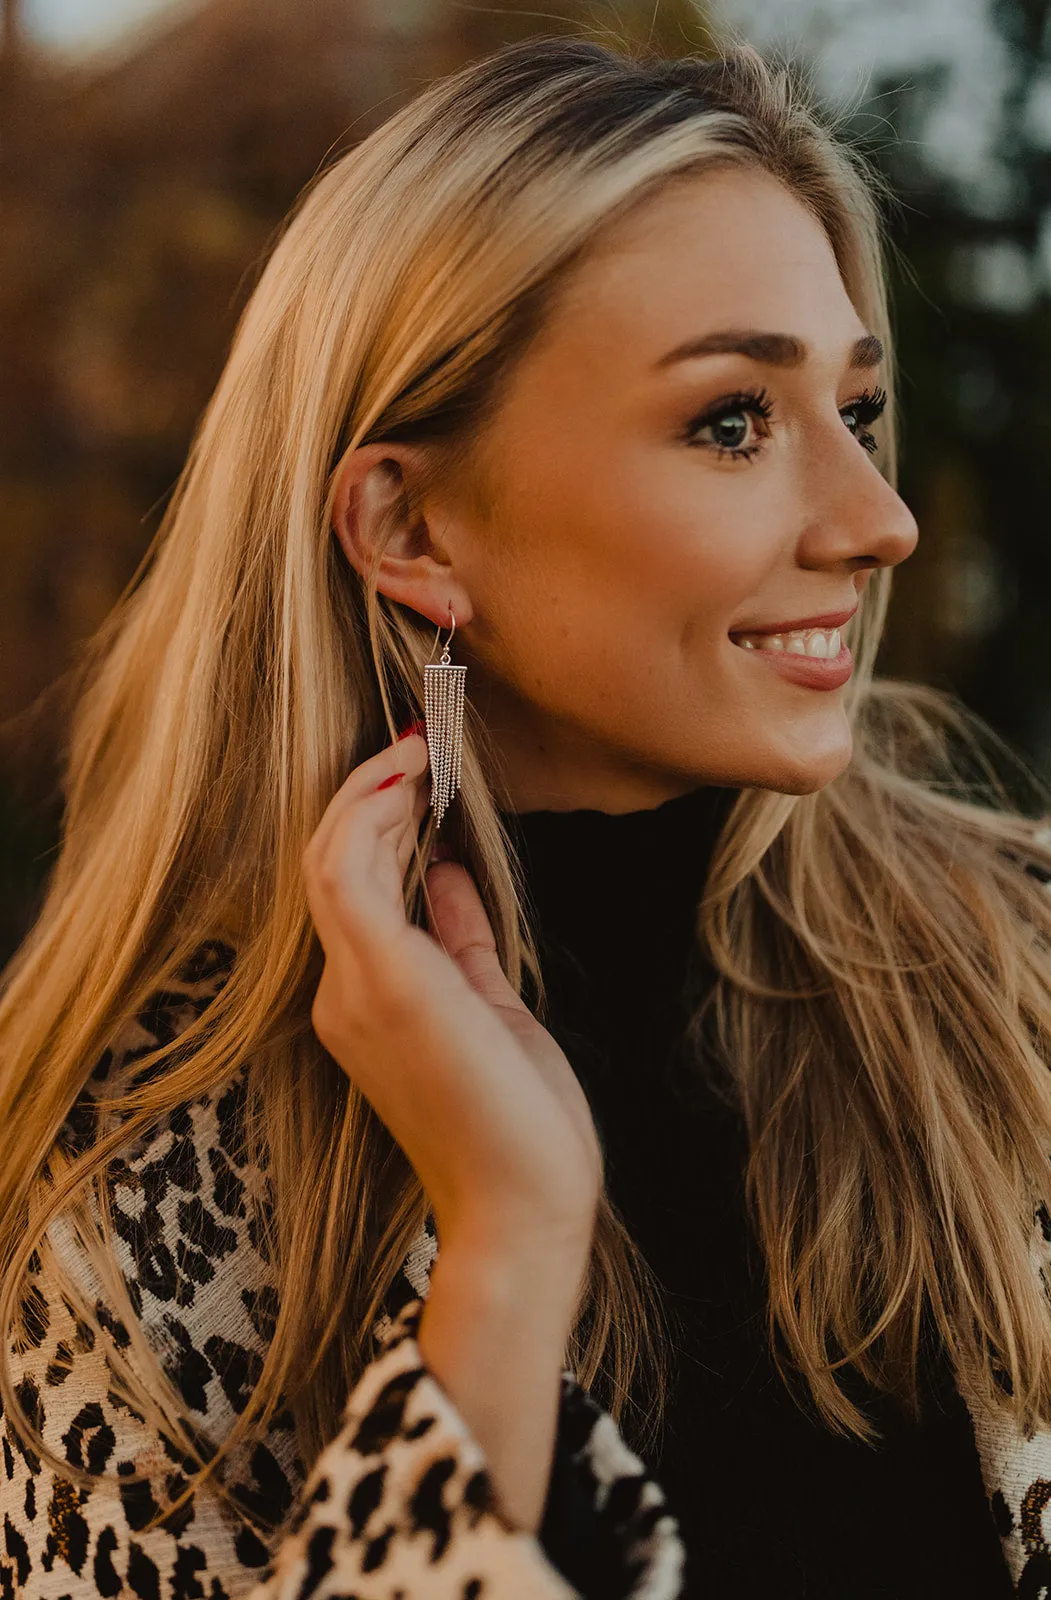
{"x":608,"y":598}
{"x":643,"y":535}
{"x":686,"y":531}
{"x":617,"y":589}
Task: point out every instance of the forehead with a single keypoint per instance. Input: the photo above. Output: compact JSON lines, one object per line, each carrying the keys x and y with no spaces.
{"x":730,"y":248}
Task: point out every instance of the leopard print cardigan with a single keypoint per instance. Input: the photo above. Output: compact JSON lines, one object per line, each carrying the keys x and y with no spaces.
{"x":399,"y":1505}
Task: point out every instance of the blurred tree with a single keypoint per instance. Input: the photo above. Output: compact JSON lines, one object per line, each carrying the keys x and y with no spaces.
{"x":973,"y":303}
{"x":10,"y":28}
{"x":669,"y":27}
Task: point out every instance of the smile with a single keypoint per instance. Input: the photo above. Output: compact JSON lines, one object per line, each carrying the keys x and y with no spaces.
{"x":821,"y":644}
{"x":814,"y":658}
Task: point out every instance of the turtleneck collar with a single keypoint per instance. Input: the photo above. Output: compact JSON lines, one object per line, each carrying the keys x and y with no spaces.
{"x":663,"y":847}
{"x":618,"y":892}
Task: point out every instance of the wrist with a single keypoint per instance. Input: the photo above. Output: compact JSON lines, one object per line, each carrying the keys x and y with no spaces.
{"x":495,"y":1272}
{"x":507,"y":1240}
{"x":493,"y":1334}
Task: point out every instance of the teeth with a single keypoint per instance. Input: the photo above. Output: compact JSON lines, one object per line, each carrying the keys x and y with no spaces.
{"x":823,"y":644}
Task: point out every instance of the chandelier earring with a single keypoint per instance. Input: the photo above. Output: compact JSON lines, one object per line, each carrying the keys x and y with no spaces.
{"x":443,"y":691}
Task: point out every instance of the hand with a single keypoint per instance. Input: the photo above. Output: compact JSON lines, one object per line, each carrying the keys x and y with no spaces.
{"x":477,"y":1093}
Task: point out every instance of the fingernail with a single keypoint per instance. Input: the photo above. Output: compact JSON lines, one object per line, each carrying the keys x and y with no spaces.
{"x":394,"y":778}
{"x":412,"y":727}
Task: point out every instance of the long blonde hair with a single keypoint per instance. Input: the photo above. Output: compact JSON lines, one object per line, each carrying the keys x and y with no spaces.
{"x":882,"y":997}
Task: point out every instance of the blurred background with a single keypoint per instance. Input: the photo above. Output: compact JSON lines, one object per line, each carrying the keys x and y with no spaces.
{"x":149,"y":149}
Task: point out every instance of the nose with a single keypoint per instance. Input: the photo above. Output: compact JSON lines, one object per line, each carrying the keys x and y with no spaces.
{"x":857,"y":519}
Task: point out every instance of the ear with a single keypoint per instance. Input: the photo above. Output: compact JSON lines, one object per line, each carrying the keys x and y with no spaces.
{"x":374,"y":519}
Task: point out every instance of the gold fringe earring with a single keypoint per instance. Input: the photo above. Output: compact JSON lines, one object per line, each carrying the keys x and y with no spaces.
{"x":443,"y":688}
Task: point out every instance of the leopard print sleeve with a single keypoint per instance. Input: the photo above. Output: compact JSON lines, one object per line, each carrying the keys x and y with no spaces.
{"x":398,"y":1504}
{"x":401,"y":1503}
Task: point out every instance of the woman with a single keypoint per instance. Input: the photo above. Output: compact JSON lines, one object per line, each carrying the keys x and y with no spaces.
{"x":585,"y":361}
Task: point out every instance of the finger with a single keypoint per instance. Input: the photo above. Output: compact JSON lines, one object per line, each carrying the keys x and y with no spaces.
{"x":459,"y":921}
{"x":409,"y":756}
{"x":353,"y":876}
{"x":408,"y":841}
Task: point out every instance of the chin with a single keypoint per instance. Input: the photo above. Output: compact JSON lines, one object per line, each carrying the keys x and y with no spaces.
{"x":805,"y":771}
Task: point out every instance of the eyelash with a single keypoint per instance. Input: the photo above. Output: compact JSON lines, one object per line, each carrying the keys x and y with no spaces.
{"x":867,"y":407}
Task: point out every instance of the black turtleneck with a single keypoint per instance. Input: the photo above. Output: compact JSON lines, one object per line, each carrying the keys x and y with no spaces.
{"x":770,"y":1502}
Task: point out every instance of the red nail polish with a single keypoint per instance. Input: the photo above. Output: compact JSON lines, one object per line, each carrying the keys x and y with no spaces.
{"x":412,"y":727}
{"x":387,"y":782}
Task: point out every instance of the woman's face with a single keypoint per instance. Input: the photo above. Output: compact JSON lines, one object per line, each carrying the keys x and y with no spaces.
{"x":653,"y":516}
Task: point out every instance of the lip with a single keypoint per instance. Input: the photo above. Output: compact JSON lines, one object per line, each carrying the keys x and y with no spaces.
{"x":827,"y":619}
{"x":813,"y":672}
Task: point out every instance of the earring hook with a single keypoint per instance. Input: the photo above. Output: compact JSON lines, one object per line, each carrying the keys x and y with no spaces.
{"x":445,"y":659}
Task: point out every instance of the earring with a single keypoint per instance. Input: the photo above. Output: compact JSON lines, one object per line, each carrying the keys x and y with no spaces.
{"x":443,"y":686}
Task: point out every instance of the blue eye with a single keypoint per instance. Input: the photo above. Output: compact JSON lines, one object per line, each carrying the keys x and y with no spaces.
{"x":730,"y":422}
{"x":865,"y":410}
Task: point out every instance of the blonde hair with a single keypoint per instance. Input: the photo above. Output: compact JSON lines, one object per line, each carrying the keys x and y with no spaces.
{"x":881,"y":1003}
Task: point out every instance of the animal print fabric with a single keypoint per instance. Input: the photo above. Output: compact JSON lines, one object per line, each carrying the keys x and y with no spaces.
{"x":398,"y":1506}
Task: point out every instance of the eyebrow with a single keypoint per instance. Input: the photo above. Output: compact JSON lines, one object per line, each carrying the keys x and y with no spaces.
{"x":772,"y":349}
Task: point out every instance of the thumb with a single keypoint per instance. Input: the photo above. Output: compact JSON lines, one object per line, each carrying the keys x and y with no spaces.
{"x":459,"y":921}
